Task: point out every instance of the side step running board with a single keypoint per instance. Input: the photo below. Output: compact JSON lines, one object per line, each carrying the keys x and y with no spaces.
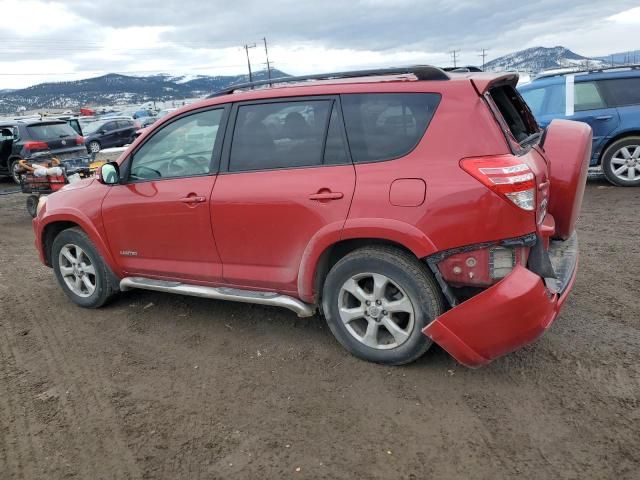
{"x":220,"y":293}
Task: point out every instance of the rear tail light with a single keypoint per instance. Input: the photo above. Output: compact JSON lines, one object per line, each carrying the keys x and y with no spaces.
{"x":507,"y":176}
{"x":79,"y":140}
{"x":482,"y":267}
{"x":501,"y":262}
{"x":31,"y":146}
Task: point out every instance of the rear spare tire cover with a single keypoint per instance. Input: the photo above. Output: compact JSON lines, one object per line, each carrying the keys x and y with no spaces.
{"x":568,"y":149}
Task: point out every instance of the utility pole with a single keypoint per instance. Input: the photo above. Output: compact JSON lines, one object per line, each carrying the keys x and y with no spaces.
{"x":246,"y":49}
{"x":454,"y":55}
{"x":266,"y":52}
{"x":484,"y":56}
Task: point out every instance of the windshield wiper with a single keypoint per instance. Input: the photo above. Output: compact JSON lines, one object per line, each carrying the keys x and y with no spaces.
{"x":531,"y":139}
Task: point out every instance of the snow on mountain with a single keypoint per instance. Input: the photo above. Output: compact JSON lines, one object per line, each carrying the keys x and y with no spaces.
{"x":538,"y":59}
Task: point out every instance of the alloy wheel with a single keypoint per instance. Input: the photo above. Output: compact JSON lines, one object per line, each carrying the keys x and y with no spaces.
{"x":625,"y":163}
{"x":77,"y":270}
{"x":376,"y":311}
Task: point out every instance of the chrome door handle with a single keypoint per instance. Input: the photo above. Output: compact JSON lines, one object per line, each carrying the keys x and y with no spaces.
{"x":326,"y":196}
{"x":194,"y":199}
{"x":604,"y":117}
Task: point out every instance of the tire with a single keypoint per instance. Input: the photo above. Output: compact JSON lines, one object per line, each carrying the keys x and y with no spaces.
{"x":14,"y":169}
{"x":617,"y":167}
{"x":94,"y":146}
{"x":32,"y":205}
{"x":406,"y":279}
{"x":77,"y":244}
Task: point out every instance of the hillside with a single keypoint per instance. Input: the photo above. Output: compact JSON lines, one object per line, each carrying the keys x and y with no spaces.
{"x":114,"y":89}
{"x":537,"y":59}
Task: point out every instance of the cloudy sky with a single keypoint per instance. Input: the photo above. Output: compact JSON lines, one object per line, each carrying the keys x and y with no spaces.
{"x":52,"y":40}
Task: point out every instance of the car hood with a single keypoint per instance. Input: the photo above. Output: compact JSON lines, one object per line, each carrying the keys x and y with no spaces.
{"x":84,"y":183}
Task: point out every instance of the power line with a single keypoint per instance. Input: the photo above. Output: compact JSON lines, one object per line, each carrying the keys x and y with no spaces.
{"x":484,"y":56}
{"x":266,"y":52}
{"x":454,"y":56}
{"x":246,"y":49}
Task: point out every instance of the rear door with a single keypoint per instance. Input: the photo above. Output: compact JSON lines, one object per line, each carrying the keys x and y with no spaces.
{"x":589,"y":106}
{"x":158,"y":220}
{"x":287,"y":178}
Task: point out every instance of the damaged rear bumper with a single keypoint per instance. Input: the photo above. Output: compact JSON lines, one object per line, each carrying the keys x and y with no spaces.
{"x":508,"y":315}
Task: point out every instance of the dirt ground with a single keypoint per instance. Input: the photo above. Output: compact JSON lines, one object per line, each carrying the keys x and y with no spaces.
{"x":160,"y":386}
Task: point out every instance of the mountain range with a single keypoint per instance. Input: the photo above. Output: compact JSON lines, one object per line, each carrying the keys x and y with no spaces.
{"x":116,"y":89}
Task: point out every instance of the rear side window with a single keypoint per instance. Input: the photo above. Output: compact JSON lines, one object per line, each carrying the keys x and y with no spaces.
{"x":513,"y":114}
{"x":280,"y":135}
{"x":587,"y":97}
{"x":384,"y":126}
{"x":50,"y":131}
{"x":622,"y":91}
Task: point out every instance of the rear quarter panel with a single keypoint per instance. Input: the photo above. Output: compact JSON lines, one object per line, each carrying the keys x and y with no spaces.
{"x":458,"y":210}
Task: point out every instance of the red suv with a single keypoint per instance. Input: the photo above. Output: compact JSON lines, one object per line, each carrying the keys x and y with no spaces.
{"x":410,"y":205}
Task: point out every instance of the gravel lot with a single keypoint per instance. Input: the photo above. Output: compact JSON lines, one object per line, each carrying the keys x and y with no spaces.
{"x":159,"y":386}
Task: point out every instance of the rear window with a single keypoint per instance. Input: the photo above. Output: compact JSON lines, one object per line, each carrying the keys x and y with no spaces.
{"x":622,"y":91}
{"x":512,"y":113}
{"x":50,"y":131}
{"x":384,"y":126}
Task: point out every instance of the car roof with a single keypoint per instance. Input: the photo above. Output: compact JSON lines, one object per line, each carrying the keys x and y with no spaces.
{"x":626,"y":71}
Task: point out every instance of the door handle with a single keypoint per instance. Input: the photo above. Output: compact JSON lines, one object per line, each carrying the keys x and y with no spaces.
{"x":604,"y":117}
{"x":193,"y":199}
{"x":326,"y":195}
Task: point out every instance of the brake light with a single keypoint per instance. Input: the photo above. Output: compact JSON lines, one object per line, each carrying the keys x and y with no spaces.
{"x":79,"y":140}
{"x":507,"y":176}
{"x":31,"y":146}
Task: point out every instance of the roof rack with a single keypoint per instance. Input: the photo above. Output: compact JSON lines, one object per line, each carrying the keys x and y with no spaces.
{"x":586,"y":70}
{"x":422,"y":72}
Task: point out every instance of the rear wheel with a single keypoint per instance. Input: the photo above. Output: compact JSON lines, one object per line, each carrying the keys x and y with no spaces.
{"x":94,"y":146}
{"x":80,"y":270}
{"x":377,"y":300}
{"x":621,"y":162}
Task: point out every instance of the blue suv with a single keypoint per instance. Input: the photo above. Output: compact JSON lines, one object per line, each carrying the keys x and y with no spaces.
{"x":608,"y":100}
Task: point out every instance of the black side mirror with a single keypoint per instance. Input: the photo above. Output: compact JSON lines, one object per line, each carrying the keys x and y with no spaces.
{"x":109,"y":173}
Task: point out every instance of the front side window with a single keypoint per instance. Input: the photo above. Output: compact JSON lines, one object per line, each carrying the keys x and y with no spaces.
{"x":587,"y":97}
{"x":182,"y":148}
{"x":384,"y":126}
{"x":279,"y":135}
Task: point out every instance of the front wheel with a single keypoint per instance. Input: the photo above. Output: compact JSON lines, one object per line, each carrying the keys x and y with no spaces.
{"x":80,"y":270}
{"x":32,"y":205}
{"x":377,"y":300}
{"x":15,"y":170}
{"x":621,"y":162}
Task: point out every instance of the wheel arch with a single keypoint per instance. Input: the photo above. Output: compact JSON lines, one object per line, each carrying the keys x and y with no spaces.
{"x":327,"y":248}
{"x":612,"y":140}
{"x":61,"y":222}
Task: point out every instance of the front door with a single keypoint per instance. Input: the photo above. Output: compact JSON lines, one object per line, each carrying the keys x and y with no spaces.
{"x":288,"y":177}
{"x":158,"y":220}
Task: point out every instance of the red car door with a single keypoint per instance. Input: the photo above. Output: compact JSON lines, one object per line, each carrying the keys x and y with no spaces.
{"x":158,"y":220}
{"x":287,"y":177}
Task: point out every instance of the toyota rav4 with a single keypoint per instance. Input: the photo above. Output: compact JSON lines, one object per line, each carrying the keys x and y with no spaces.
{"x":409,"y":206}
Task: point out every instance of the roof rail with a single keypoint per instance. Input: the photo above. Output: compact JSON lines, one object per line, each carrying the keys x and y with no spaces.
{"x":586,"y":70}
{"x":422,"y":72}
